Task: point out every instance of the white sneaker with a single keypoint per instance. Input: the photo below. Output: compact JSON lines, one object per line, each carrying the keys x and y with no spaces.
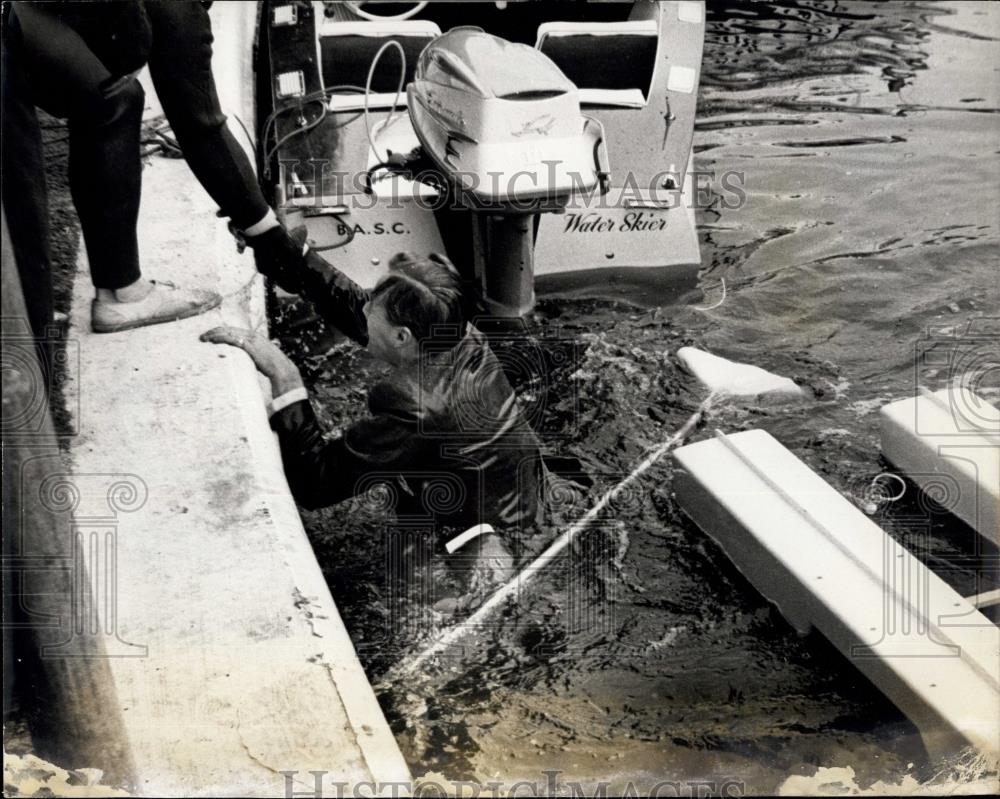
{"x":164,"y":303}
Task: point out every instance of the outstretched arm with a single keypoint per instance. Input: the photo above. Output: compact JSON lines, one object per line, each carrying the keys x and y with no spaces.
{"x":320,"y":471}
{"x":337,"y":298}
{"x":265,"y":354}
{"x":287,"y":259}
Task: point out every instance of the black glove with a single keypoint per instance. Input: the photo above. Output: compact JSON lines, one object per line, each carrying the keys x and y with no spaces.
{"x":286,"y":259}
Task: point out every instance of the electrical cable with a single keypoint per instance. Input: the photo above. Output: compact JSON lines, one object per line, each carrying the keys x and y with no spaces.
{"x":292,"y":134}
{"x":320,"y":96}
{"x":347,"y":240}
{"x":356,"y":8}
{"x":246,"y":132}
{"x":395,"y":100}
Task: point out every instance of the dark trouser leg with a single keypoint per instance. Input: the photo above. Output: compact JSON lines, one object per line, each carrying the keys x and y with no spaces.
{"x":103,"y":149}
{"x":104,"y":116}
{"x":25,"y":200}
{"x":180,"y":64}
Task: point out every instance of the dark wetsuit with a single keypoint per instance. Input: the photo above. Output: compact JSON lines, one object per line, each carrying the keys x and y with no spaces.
{"x":75,"y":60}
{"x":451,"y":446}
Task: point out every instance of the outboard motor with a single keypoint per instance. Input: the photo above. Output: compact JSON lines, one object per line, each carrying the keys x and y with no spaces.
{"x":502,"y":127}
{"x":491,"y":161}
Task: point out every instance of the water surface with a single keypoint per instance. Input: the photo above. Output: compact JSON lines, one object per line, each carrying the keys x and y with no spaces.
{"x":869,"y":139}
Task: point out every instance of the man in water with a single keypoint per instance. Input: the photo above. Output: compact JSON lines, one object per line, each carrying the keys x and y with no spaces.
{"x":445,"y":435}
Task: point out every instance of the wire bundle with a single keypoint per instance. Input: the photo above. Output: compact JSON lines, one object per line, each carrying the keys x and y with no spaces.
{"x":322,"y":96}
{"x":270,"y":124}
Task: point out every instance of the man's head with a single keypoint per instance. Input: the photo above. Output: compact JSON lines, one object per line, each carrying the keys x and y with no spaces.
{"x":419,"y":301}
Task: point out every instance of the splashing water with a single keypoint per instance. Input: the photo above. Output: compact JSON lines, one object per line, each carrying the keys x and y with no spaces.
{"x":867,"y":136}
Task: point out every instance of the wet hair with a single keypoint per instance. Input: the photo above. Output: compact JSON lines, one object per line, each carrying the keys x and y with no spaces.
{"x":426,"y":296}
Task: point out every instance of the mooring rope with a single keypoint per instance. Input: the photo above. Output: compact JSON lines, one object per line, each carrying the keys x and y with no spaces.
{"x":520,"y":580}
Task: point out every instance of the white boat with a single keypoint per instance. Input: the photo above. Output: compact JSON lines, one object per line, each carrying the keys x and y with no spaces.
{"x":602,"y":95}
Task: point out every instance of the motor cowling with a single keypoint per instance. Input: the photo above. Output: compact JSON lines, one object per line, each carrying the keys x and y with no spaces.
{"x":502,"y":123}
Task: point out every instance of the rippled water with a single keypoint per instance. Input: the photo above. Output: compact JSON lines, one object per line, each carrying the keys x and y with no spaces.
{"x":869,"y":138}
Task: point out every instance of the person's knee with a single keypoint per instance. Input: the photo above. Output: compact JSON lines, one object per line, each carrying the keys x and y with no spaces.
{"x":112,"y":101}
{"x":126,"y":94}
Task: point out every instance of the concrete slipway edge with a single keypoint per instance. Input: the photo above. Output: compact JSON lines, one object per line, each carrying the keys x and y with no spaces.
{"x":230,"y":660}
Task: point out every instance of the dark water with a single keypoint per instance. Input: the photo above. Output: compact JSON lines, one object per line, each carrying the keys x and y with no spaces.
{"x":869,"y":140}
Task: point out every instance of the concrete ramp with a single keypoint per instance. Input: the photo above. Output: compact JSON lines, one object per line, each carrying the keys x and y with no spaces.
{"x":229,"y":658}
{"x":827,"y":565}
{"x":234,"y":672}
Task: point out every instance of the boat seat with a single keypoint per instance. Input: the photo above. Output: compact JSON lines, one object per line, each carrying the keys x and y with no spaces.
{"x":611,"y":63}
{"x":346,"y":50}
